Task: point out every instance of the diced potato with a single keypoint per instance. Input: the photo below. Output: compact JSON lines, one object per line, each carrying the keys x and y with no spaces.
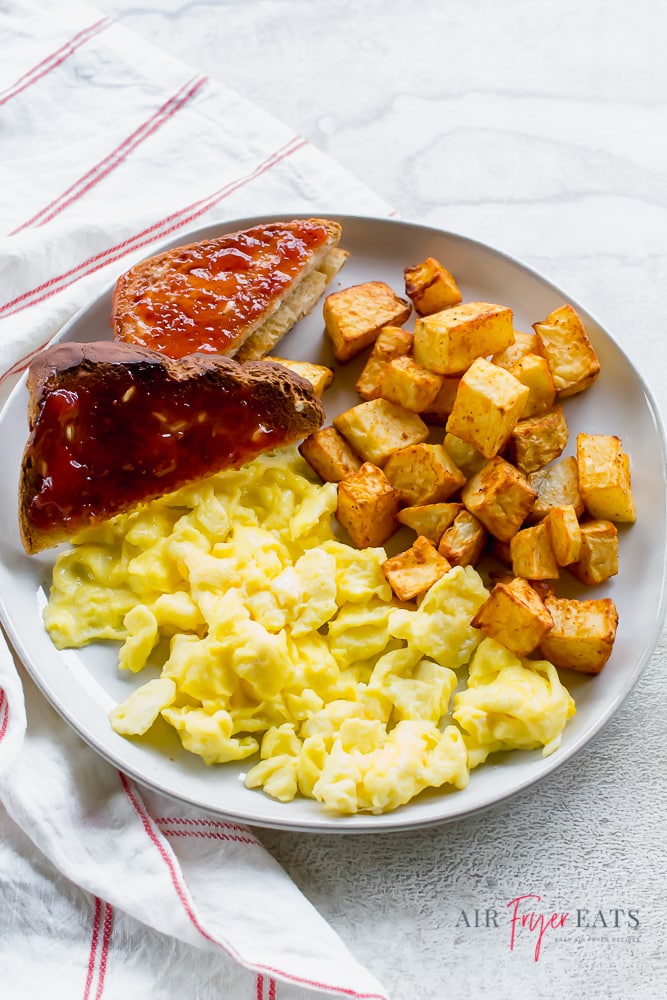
{"x":464,"y":541}
{"x":523,"y":343}
{"x":319,"y":376}
{"x":430,"y":520}
{"x":449,"y":341}
{"x":354,"y":316}
{"x":330,"y":455}
{"x":500,"y":497}
{"x":367,"y":506}
{"x":532,"y":555}
{"x":391,"y":342}
{"x":598,"y":558}
{"x":501,"y":551}
{"x":514,"y":615}
{"x":604,"y":477}
{"x":412,"y":572}
{"x":488,"y":404}
{"x":467,"y":458}
{"x":557,"y":485}
{"x":567,"y":347}
{"x":443,"y":404}
{"x":537,"y":440}
{"x":533,"y":370}
{"x":583,"y":633}
{"x":377,"y":428}
{"x":565,"y":533}
{"x":407,"y":384}
{"x":423,"y":473}
{"x":431,"y":287}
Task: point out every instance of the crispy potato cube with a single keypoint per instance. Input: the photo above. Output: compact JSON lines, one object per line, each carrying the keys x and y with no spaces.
{"x":565,"y":533}
{"x":423,"y":473}
{"x":329,"y":454}
{"x":407,"y":384}
{"x":377,"y":428}
{"x":430,"y":520}
{"x":439,"y":409}
{"x":583,"y":633}
{"x":515,"y":616}
{"x":500,"y":551}
{"x":536,"y":441}
{"x":598,"y":557}
{"x":487,"y":406}
{"x":467,"y":458}
{"x":412,"y":572}
{"x":523,"y":343}
{"x":431,"y":287}
{"x":447,"y":342}
{"x":463,"y":543}
{"x":533,"y":370}
{"x":566,"y":346}
{"x":604,"y":477}
{"x":557,"y":485}
{"x":319,"y":376}
{"x":500,"y":497}
{"x":354,"y":316}
{"x":532,"y":555}
{"x":391,"y":342}
{"x":367,"y":506}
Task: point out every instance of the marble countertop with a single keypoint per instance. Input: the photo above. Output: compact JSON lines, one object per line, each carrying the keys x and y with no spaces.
{"x":539,"y":129}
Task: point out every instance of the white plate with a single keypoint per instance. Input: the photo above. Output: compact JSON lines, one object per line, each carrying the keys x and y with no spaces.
{"x":83,"y":685}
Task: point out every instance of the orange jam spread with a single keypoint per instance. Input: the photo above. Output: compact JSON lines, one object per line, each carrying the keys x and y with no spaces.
{"x":209,"y":293}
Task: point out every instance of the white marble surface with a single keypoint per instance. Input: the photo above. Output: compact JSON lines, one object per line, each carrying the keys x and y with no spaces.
{"x":539,"y":128}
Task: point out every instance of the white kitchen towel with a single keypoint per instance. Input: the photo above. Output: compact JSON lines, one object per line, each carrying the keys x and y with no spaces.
{"x":107,"y":147}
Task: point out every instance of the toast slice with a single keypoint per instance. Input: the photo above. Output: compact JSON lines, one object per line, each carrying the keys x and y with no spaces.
{"x":236,"y":295}
{"x":114,"y":425}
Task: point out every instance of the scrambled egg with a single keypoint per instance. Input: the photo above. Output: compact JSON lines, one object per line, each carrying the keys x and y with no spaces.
{"x":283,"y":642}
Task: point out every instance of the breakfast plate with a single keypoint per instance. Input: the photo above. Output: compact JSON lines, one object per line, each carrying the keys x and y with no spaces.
{"x":83,"y":685}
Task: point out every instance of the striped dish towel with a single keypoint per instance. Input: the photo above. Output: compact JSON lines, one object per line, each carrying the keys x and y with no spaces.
{"x":107,"y":147}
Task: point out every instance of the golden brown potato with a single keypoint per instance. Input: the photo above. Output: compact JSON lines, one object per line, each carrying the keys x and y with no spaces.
{"x":367,"y":506}
{"x":500,"y":497}
{"x":565,"y":534}
{"x":533,"y":370}
{"x":423,"y":473}
{"x":532,"y":555}
{"x":319,"y":376}
{"x":391,"y":342}
{"x":464,"y":541}
{"x":523,"y":343}
{"x":583,"y":633}
{"x":449,"y":341}
{"x":377,"y":428}
{"x":437,"y":412}
{"x":329,"y":454}
{"x":467,"y":458}
{"x":598,"y":557}
{"x":567,"y":347}
{"x":536,"y":441}
{"x":431,"y":287}
{"x":430,"y":520}
{"x":354,"y":316}
{"x":412,"y":572}
{"x":514,"y":615}
{"x":407,"y":384}
{"x":556,"y":485}
{"x":604,"y":477}
{"x":488,"y":404}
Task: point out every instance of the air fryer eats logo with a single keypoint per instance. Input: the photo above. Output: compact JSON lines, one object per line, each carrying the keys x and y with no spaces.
{"x":530,"y":922}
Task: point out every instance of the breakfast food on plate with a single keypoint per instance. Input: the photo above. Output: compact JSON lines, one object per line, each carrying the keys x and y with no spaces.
{"x":236,"y":295}
{"x":113,"y":425}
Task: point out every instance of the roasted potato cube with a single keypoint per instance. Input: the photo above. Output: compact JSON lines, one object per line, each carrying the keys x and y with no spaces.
{"x":604,"y":477}
{"x":354,"y":316}
{"x":412,"y":572}
{"x":532,"y":555}
{"x":391,"y":342}
{"x":407,"y":384}
{"x":557,"y":485}
{"x":533,"y":370}
{"x":467,"y":458}
{"x":536,"y":441}
{"x":319,"y":376}
{"x":500,"y":551}
{"x":565,"y":533}
{"x":566,"y":346}
{"x":488,"y":404}
{"x":430,"y":520}
{"x":377,"y":428}
{"x":329,"y":454}
{"x":449,"y":341}
{"x":523,"y":343}
{"x":423,"y":473}
{"x":583,"y":633}
{"x":367,"y":506}
{"x":598,"y":557}
{"x":500,"y":497}
{"x":514,"y":615}
{"x":431,"y":287}
{"x":438,"y":410}
{"x":463,"y":542}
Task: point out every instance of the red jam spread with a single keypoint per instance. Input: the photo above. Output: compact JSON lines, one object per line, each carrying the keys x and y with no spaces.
{"x":209,"y":293}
